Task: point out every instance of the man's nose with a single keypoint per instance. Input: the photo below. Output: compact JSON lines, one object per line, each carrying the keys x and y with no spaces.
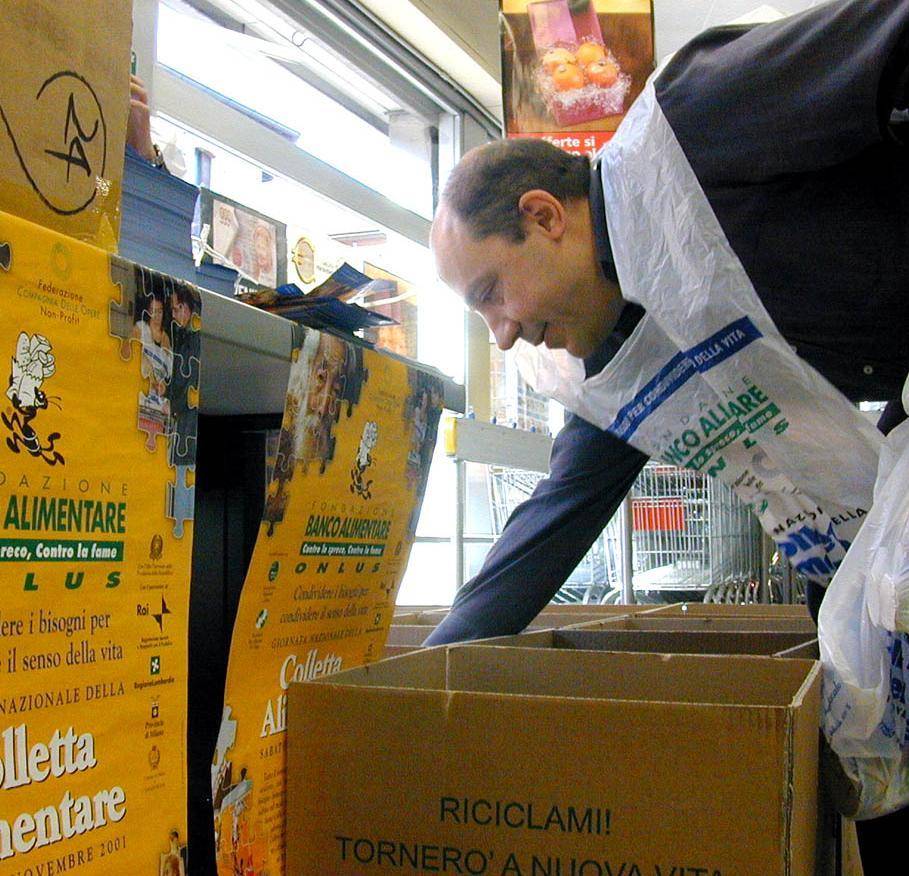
{"x":506,"y":331}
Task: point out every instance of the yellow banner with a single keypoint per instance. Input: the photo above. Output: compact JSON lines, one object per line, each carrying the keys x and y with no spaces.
{"x":341,"y":512}
{"x":97,"y":446}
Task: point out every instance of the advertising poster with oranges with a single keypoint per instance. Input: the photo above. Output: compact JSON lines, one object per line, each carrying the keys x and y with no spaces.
{"x":572,"y":68}
{"x":340,"y":516}
{"x":97,"y":455}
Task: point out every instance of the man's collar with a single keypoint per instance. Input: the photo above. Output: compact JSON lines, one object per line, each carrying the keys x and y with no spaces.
{"x":598,"y":217}
{"x":628,"y":320}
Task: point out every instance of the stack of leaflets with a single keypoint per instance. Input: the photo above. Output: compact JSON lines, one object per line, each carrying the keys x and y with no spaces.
{"x":326,"y":305}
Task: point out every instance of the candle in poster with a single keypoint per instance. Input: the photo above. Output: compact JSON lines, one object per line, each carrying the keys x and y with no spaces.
{"x":353,"y":457}
{"x":98,"y":429}
{"x":572,"y":68}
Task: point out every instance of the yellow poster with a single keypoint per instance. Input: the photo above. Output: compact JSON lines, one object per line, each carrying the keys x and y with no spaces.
{"x":97,"y":448}
{"x":340,"y":516}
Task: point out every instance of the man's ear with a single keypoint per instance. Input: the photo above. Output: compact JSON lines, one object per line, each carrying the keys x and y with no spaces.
{"x":544,"y":211}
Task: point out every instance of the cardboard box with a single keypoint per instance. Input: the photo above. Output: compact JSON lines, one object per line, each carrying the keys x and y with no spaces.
{"x":420,"y":617}
{"x":548,"y":620}
{"x":594,"y":608}
{"x":770,"y":644}
{"x":64,"y":95}
{"x":420,"y":609}
{"x":712,"y":609}
{"x":413,"y":628}
{"x":397,"y":650}
{"x":408,"y":634}
{"x":436,"y":613}
{"x":728,"y":624}
{"x":492,"y":759}
{"x":852,"y":861}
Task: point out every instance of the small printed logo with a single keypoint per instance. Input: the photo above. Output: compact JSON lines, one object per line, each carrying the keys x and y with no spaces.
{"x":154,"y":757}
{"x":154,"y":665}
{"x":156,"y":548}
{"x":155,"y":710}
{"x":159,"y":616}
{"x":32,"y":364}
{"x":260,"y":620}
{"x":6,"y":256}
{"x":273,"y":570}
{"x":359,"y":485}
{"x":61,"y":261}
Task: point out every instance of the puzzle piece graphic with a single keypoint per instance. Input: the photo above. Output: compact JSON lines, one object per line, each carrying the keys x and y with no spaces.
{"x":337,"y":397}
{"x":278,"y":495}
{"x":120,"y":314}
{"x":151,"y":408}
{"x":151,"y":418}
{"x":182,"y":447}
{"x":185,"y":366}
{"x":181,"y":498}
{"x":170,"y":345}
{"x":166,"y":356}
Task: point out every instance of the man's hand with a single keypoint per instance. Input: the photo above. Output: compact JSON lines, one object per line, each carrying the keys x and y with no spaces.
{"x":138,"y":127}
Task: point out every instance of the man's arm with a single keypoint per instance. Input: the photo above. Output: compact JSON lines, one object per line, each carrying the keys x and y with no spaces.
{"x":546,"y":536}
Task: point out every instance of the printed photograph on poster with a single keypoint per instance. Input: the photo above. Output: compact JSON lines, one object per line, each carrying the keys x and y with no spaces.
{"x":326,"y":382}
{"x":239,"y":237}
{"x":400,"y":303}
{"x":163,"y":315}
{"x":571,"y":68}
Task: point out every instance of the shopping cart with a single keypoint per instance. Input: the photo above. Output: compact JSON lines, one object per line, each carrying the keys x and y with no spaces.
{"x":691,"y":534}
{"x":595,"y":580}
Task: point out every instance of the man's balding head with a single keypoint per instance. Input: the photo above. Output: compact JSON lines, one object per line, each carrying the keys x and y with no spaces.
{"x":485,"y":188}
{"x":514,"y":237}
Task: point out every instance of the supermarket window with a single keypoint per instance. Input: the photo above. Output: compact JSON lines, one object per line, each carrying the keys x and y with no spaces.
{"x":312,"y":114}
{"x":273,"y":69}
{"x":430,"y":315}
{"x":370,"y":151}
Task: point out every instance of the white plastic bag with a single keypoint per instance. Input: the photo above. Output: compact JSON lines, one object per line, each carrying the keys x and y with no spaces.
{"x":863,"y":626}
{"x":705,"y":380}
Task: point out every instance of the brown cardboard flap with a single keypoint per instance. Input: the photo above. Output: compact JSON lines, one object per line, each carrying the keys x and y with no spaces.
{"x":552,"y":619}
{"x":406,"y":617}
{"x":420,"y":668}
{"x":808,"y":650}
{"x":722,"y":680}
{"x":408,"y":634}
{"x":64,"y":101}
{"x":679,"y":641}
{"x":730,"y":624}
{"x":441,"y":610}
{"x":792,"y":645}
{"x":712,"y":609}
{"x":803,"y":753}
{"x":398,"y":650}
